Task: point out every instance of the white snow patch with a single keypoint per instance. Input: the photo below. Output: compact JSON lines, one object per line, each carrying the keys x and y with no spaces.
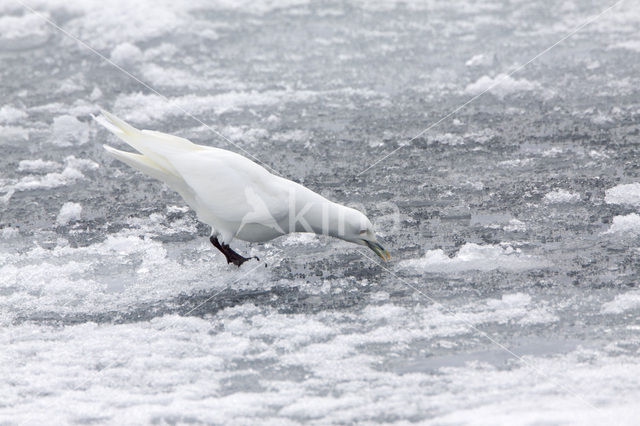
{"x":83,"y":164}
{"x":622,"y":303}
{"x":480,"y":60}
{"x":515,"y":225}
{"x":22,"y":32}
{"x":145,"y":108}
{"x":598,"y":155}
{"x":69,"y":86}
{"x":173,"y":77}
{"x":480,"y":136}
{"x":67,"y":130}
{"x":501,"y":86}
{"x":8,"y":233}
{"x":177,"y":209}
{"x":71,"y":173}
{"x":244,"y":133}
{"x":9,"y":114}
{"x":633,"y":45}
{"x":126,"y":54}
{"x":164,"y":52}
{"x":68,"y":212}
{"x":627,"y":224}
{"x":108,"y":24}
{"x":601,"y":119}
{"x":516,"y":162}
{"x":292,"y":136}
{"x":11,"y":133}
{"x":304,"y":238}
{"x":445,"y":139}
{"x":560,"y":196}
{"x":517,"y":307}
{"x":628,"y":194}
{"x":158,"y":224}
{"x":50,"y":180}
{"x":38,"y":165}
{"x":96,"y":94}
{"x":552,"y":152}
{"x":473,"y":256}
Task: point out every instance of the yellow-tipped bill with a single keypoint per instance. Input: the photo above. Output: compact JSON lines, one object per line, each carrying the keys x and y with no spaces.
{"x":379,"y":250}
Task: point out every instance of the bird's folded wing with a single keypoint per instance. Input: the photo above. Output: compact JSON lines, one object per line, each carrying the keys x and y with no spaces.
{"x":231,"y":187}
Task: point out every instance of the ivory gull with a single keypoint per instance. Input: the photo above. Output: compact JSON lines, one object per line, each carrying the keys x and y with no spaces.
{"x":235,"y":196}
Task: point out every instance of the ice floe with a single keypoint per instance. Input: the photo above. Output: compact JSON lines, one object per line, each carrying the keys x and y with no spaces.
{"x":501,"y":85}
{"x":9,"y":115}
{"x":68,"y":212}
{"x":126,"y":54}
{"x":22,"y":31}
{"x":628,"y":194}
{"x":625,"y":225}
{"x":480,"y":60}
{"x":72,"y":172}
{"x":515,"y":225}
{"x":145,"y":108}
{"x":67,"y":130}
{"x":622,"y":303}
{"x":38,"y":165}
{"x":560,"y":196}
{"x":473,"y":256}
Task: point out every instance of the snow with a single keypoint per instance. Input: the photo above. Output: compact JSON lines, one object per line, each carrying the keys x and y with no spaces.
{"x":501,"y":85}
{"x":9,"y":114}
{"x":561,"y":196}
{"x":72,"y":172}
{"x":516,"y":162}
{"x":38,"y":165}
{"x":632,"y":45}
{"x":126,"y":54}
{"x":625,"y":224}
{"x":628,"y":194}
{"x":67,"y":131}
{"x":68,"y":212}
{"x":22,"y":32}
{"x":96,"y":94}
{"x":622,"y":303}
{"x":141,"y":107}
{"x":300,"y":239}
{"x":480,"y":59}
{"x":244,"y":133}
{"x":473,"y":256}
{"x":49,"y":181}
{"x":515,"y":225}
{"x":211,"y":357}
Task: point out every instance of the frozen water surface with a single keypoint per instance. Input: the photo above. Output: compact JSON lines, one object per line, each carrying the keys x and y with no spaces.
{"x":518,"y":216}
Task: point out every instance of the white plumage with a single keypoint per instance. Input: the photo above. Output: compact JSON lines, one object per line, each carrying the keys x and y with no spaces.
{"x":235,"y":196}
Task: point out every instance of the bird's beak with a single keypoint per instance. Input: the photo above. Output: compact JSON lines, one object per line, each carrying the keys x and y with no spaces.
{"x":378,"y":249}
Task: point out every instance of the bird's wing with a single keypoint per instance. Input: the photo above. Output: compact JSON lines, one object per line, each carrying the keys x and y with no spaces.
{"x":220,"y":185}
{"x":233,"y":188}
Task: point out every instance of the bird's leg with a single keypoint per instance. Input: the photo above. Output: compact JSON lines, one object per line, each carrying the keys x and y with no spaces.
{"x":232,"y":256}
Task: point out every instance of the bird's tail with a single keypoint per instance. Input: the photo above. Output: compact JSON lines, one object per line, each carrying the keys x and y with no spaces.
{"x":139,"y":162}
{"x":156,"y":149}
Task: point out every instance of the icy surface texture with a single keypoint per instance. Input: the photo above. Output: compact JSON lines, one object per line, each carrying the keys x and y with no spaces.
{"x":519,"y":219}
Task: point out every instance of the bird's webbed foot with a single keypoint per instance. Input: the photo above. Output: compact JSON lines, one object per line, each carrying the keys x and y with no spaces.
{"x":232,"y":256}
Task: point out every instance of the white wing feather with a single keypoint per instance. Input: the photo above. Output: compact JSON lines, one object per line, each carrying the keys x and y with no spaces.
{"x":220,"y":180}
{"x":212,"y":181}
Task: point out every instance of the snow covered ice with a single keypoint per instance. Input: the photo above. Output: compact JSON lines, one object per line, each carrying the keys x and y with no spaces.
{"x":519,"y":216}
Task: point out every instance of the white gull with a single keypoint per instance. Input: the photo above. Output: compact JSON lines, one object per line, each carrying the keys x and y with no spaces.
{"x":235,"y":196}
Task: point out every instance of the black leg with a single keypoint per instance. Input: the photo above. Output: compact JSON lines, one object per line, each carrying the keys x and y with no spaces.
{"x":232,"y":256}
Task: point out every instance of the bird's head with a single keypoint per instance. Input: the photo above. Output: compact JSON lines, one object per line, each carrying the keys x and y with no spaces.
{"x":359,"y":230}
